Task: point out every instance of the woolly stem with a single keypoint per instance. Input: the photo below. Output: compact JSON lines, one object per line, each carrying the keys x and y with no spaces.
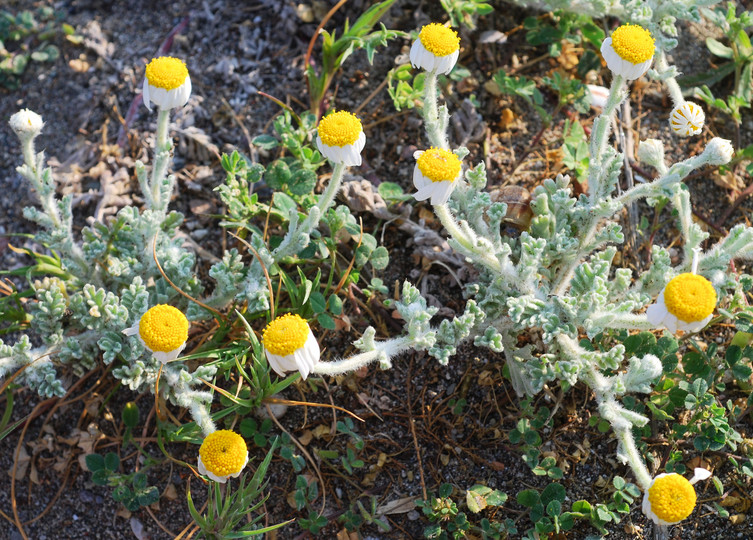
{"x":384,"y":351}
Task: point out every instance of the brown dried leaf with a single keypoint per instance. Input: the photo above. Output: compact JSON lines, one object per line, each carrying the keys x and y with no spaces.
{"x":170,"y":492}
{"x":322,"y":431}
{"x":21,"y":464}
{"x":398,"y":506}
{"x":305,"y":437}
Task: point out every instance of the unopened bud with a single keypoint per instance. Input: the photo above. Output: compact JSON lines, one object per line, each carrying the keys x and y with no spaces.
{"x":651,"y":152}
{"x":718,"y":152}
{"x":26,"y":124}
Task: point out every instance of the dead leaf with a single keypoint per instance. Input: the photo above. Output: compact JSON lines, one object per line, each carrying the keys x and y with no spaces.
{"x":170,"y":492}
{"x":21,"y":464}
{"x":345,"y":535}
{"x":737,"y":519}
{"x":322,"y":431}
{"x":507,"y":118}
{"x":398,"y":506}
{"x":305,"y":437}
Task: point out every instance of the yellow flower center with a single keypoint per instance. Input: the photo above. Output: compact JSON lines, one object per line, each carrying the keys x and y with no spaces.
{"x":223,"y":452}
{"x":633,"y":43}
{"x":439,"y":165}
{"x":166,"y":72}
{"x":672,"y":498}
{"x":163,"y":328}
{"x":439,"y":40}
{"x":690,"y":297}
{"x":285,"y":334}
{"x":339,"y":129}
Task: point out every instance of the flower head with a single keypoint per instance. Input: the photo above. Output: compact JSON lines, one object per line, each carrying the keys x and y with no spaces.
{"x":436,"y":49}
{"x":222,"y":455}
{"x":687,"y":119}
{"x":163,"y":330}
{"x":718,"y":151}
{"x":686,"y":303}
{"x":629,"y":51}
{"x":26,"y":124}
{"x":435,"y":174}
{"x":167,"y":83}
{"x":671,"y":498}
{"x":340,"y":138}
{"x":290,"y":345}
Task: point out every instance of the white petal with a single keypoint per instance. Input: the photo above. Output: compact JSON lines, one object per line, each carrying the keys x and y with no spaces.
{"x":145,"y":94}
{"x":442,"y":192}
{"x":419,"y":180}
{"x":133,"y":330}
{"x":699,"y":474}
{"x":274,"y":362}
{"x":424,"y":193}
{"x":415,"y":52}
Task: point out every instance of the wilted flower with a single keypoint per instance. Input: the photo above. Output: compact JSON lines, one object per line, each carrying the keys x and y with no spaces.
{"x":290,"y":345}
{"x":340,"y":138}
{"x":687,"y":119}
{"x":167,"y":83}
{"x":686,"y":303}
{"x":222,"y":455}
{"x":163,"y":330}
{"x":435,"y":174}
{"x":671,"y":498}
{"x":436,"y":49}
{"x":629,"y":51}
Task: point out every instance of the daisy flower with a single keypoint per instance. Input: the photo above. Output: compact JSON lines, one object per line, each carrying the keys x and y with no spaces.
{"x":435,"y":174}
{"x":671,"y":498}
{"x":222,"y":455}
{"x":687,"y":119}
{"x":340,"y":138}
{"x":290,"y":345}
{"x":436,"y":49}
{"x":166,"y":83}
{"x":629,"y":51}
{"x":686,"y":303}
{"x":163,"y":330}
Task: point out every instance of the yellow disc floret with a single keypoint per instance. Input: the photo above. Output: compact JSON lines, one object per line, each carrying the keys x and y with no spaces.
{"x":166,"y":72}
{"x":672,"y":498}
{"x":163,"y":328}
{"x":286,"y":334}
{"x":339,"y":129}
{"x":223,"y":452}
{"x":633,"y":43}
{"x":439,"y":165}
{"x":439,"y":40}
{"x":690,"y":297}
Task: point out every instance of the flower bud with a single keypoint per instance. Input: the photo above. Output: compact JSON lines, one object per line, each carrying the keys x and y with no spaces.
{"x":687,"y":119}
{"x":651,"y":152}
{"x":26,"y":124}
{"x":718,"y":152}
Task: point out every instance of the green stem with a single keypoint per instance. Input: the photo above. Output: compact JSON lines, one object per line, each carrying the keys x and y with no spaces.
{"x":384,"y":349}
{"x":161,"y":157}
{"x":434,"y":129}
{"x":672,"y":87}
{"x":467,"y":244}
